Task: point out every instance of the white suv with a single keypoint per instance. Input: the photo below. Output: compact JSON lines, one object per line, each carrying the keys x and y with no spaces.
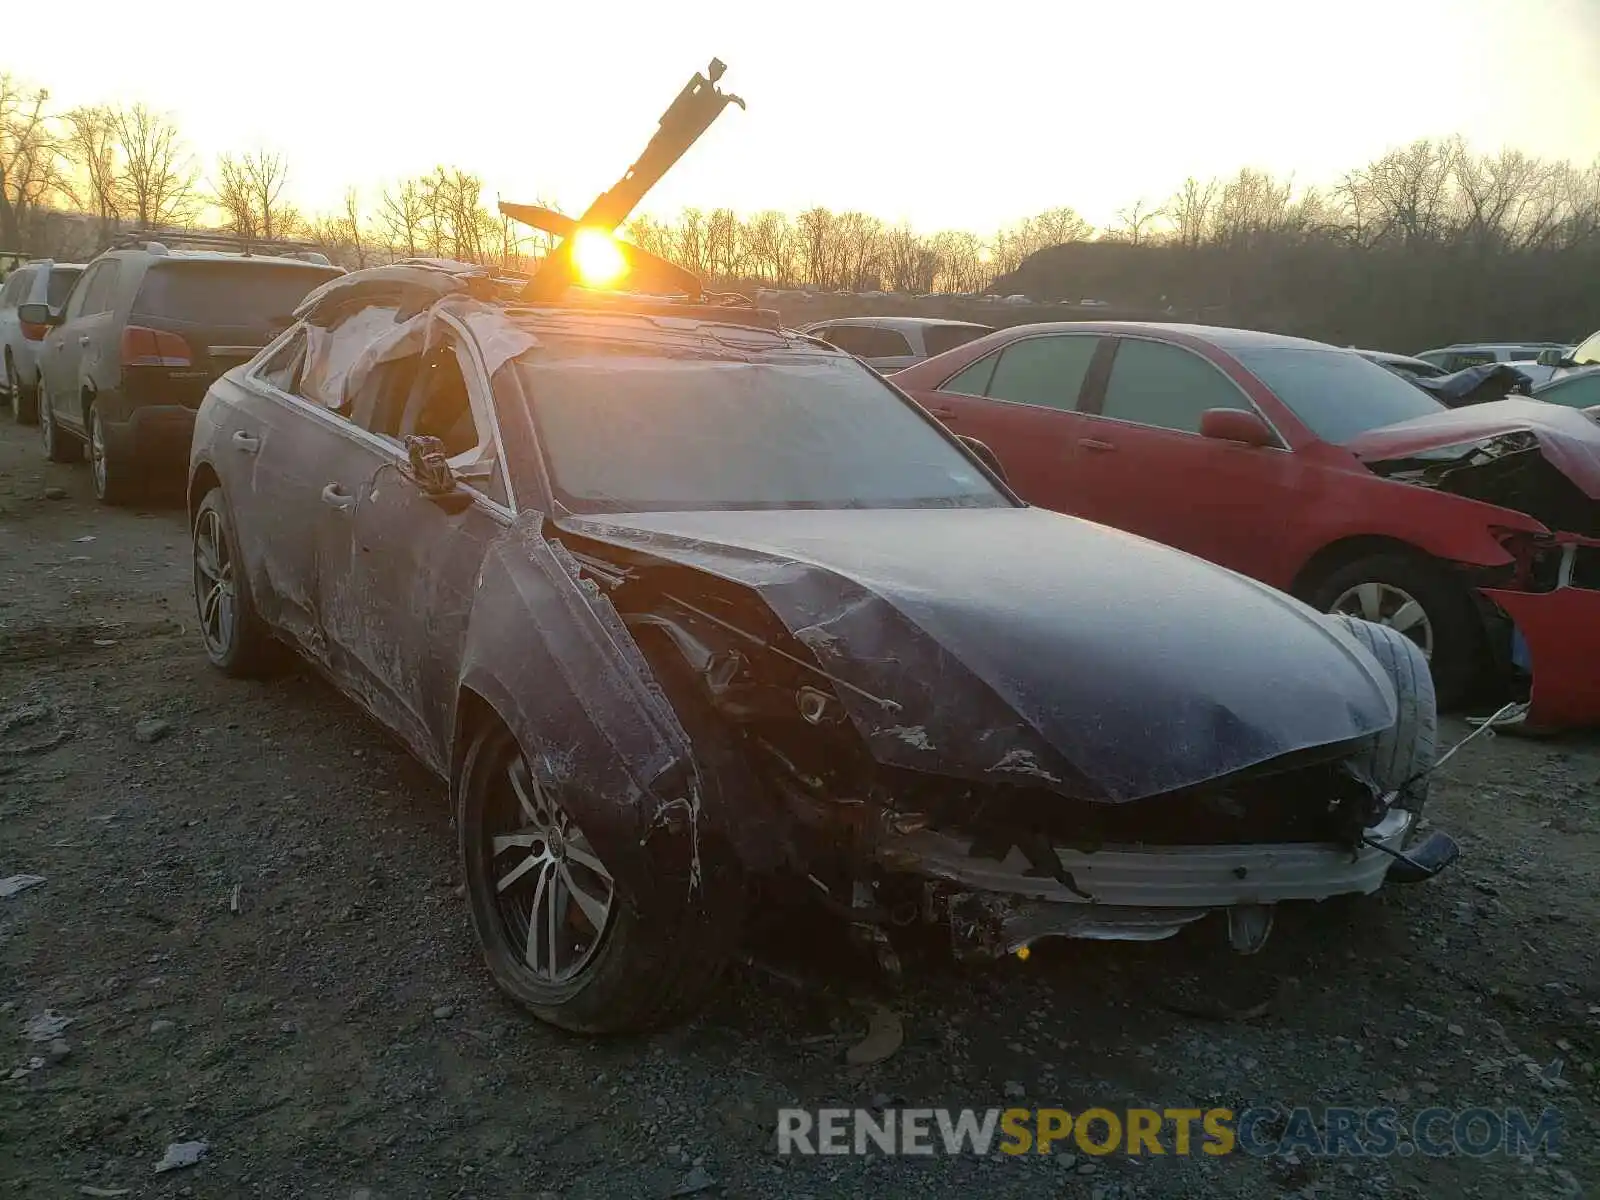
{"x":41,"y":282}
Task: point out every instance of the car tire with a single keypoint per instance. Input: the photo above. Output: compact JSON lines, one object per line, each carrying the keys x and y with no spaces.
{"x":1450,"y":620}
{"x":59,"y":446}
{"x":23,"y":400}
{"x":643,"y":966}
{"x":111,"y":468}
{"x":236,"y":640}
{"x":1399,"y":758}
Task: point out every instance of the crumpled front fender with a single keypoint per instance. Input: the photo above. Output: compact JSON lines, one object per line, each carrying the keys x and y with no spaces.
{"x":548,"y":653}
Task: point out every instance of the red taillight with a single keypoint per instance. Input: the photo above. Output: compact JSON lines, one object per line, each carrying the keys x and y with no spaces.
{"x":34,"y":331}
{"x":143,"y":347}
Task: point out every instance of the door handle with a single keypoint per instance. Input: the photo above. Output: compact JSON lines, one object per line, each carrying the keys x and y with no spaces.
{"x":246,"y":443}
{"x":336,"y":497}
{"x":1090,"y":443}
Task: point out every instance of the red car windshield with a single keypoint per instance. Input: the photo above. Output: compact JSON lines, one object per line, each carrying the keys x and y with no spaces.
{"x":1337,"y":394}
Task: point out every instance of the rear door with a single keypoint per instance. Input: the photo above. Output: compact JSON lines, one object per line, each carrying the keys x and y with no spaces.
{"x":1022,"y":402}
{"x":224,"y":310}
{"x":274,"y":453}
{"x":1146,"y":469}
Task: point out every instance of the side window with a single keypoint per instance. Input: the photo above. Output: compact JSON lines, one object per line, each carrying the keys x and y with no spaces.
{"x":78,"y":301}
{"x":1153,"y":383}
{"x":1575,"y":391}
{"x":972,"y":379}
{"x":1588,"y":354}
{"x":15,"y":291}
{"x":101,"y":293}
{"x":867,"y":341}
{"x":1045,"y":371}
{"x":283,"y":369}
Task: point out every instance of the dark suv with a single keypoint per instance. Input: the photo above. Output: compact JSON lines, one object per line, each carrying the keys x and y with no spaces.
{"x":144,"y":333}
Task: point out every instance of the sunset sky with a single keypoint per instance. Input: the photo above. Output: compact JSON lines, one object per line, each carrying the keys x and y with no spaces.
{"x":964,"y":115}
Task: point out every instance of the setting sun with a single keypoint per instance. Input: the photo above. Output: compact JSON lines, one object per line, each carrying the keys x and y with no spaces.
{"x":596,"y":257}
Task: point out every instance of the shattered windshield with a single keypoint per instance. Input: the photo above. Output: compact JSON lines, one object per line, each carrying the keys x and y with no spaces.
{"x":1337,"y":393}
{"x":625,"y":433}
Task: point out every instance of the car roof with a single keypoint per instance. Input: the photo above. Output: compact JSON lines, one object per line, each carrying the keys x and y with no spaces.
{"x":1216,"y":335}
{"x":213,"y":256}
{"x":898,"y":322}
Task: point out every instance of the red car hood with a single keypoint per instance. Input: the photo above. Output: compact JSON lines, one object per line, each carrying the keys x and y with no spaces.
{"x":1568,"y":438}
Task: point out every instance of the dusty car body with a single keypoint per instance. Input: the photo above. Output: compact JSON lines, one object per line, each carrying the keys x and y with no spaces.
{"x":1310,"y":468}
{"x":647,"y":562}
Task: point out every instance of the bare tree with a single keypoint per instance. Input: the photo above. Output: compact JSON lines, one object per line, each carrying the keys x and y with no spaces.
{"x":90,"y":144}
{"x":29,"y":159}
{"x":156,"y":183}
{"x":1189,"y":210}
{"x":402,"y":212}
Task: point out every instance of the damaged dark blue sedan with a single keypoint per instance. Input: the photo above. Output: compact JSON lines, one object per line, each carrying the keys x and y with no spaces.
{"x":677,"y":600}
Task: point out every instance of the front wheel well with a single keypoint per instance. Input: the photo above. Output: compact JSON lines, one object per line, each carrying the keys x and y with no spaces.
{"x":1345,"y":551}
{"x":473,"y":714}
{"x":203,"y":480}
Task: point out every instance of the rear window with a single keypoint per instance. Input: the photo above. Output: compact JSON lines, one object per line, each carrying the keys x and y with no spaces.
{"x":869,"y":341}
{"x":939,"y":338}
{"x":15,"y":291}
{"x":256,"y":295}
{"x":61,"y":281}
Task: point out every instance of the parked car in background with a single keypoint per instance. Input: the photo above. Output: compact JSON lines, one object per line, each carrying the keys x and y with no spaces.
{"x":43,"y":282}
{"x":1575,"y":389}
{"x":1404,"y":365}
{"x":146,"y":330}
{"x":890,"y":343}
{"x":678,"y":600}
{"x":1316,"y":471}
{"x":1461,"y":355}
{"x":1565,"y":361}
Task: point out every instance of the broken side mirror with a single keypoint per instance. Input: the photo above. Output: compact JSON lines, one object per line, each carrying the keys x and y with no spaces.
{"x":1236,"y":425}
{"x":430,"y":470}
{"x":37,"y":314}
{"x":985,"y":455}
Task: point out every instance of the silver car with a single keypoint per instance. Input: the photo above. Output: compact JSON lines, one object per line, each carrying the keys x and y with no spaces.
{"x":890,"y":343}
{"x":41,"y":282}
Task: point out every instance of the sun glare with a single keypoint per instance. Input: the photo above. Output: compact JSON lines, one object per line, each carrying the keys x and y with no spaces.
{"x":597,"y":258}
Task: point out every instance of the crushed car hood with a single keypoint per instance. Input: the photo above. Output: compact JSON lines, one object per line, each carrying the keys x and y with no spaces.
{"x":1567,"y":439}
{"x":1019,"y":645}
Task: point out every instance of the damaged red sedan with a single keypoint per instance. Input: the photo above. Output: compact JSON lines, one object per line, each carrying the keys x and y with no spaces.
{"x":1472,"y":531}
{"x":676,"y":599}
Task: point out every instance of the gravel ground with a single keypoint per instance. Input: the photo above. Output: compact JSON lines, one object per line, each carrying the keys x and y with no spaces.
{"x":251,"y":920}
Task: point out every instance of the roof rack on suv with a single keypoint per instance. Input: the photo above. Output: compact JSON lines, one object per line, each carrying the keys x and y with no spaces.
{"x":158,"y":241}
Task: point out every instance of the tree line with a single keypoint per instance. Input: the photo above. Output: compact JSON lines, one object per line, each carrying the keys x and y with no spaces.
{"x":1430,"y":235}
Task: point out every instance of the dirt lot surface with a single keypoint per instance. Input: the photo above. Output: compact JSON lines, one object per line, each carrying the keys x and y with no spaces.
{"x":336,"y":1035}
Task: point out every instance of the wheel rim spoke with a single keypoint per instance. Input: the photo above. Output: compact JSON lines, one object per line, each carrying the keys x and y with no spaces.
{"x":1407,"y":615}
{"x":1369,"y":599}
{"x":553,"y":892}
{"x":593,"y":909}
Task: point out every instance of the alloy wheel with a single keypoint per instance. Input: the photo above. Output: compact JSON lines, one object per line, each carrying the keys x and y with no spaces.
{"x":97,"y":454}
{"x":553,"y":894}
{"x":1385,"y":604}
{"x":213,"y":583}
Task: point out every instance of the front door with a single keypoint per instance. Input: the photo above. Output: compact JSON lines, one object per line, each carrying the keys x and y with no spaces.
{"x":61,"y":352}
{"x":397,"y":571}
{"x":1145,"y":468}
